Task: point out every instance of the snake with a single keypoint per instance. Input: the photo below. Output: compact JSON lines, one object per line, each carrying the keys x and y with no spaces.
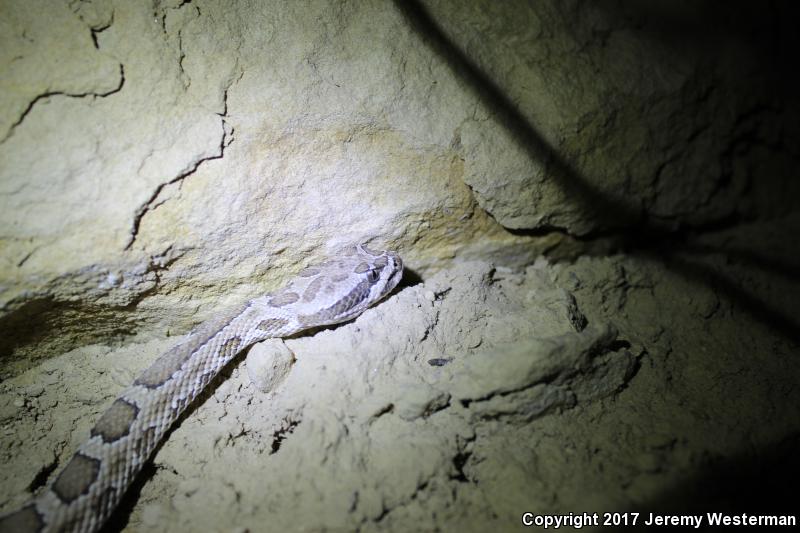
{"x":88,"y":489}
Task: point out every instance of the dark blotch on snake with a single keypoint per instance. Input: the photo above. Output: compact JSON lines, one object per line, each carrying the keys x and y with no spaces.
{"x":116,"y":421}
{"x":280,"y":299}
{"x":340,"y":309}
{"x":165,"y":366}
{"x":77,"y":478}
{"x":272,"y":324}
{"x":26,"y":519}
{"x":309,"y":272}
{"x":313,"y":288}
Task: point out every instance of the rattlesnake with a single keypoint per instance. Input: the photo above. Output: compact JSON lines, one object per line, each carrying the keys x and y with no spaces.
{"x":88,"y":489}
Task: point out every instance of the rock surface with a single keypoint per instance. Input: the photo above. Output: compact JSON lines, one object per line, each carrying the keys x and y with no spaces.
{"x":159,"y":161}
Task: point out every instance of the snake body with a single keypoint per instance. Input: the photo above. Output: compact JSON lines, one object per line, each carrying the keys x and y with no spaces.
{"x":90,"y":486}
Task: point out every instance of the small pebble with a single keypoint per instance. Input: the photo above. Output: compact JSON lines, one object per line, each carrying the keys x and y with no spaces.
{"x":34,"y":390}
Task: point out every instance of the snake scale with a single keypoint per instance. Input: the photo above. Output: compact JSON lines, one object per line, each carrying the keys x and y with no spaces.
{"x":90,"y":486}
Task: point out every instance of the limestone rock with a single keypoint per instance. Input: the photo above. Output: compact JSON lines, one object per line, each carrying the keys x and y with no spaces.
{"x":268,"y":363}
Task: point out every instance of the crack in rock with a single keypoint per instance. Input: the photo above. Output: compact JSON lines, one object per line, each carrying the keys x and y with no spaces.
{"x":50,"y":94}
{"x":152,"y":203}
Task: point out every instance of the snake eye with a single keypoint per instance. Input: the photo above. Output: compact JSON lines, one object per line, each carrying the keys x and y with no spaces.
{"x":372,"y":275}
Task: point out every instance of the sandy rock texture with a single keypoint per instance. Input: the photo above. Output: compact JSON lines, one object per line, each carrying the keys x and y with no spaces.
{"x":596,"y":204}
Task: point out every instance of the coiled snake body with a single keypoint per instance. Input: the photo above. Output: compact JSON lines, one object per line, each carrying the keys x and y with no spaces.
{"x":88,"y":489}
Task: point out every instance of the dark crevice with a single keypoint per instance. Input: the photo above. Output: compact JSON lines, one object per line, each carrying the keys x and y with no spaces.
{"x":410,"y":279}
{"x":181,"y":58}
{"x":384,"y":512}
{"x":281,"y":434}
{"x":30,"y":107}
{"x":144,"y":208}
{"x":50,"y":94}
{"x":26,"y":257}
{"x":459,"y":461}
{"x":619,"y":344}
{"x":151,"y":202}
{"x":32,"y":324}
{"x":464,"y":447}
{"x":100,"y":29}
{"x":385,"y":410}
{"x":40,"y":480}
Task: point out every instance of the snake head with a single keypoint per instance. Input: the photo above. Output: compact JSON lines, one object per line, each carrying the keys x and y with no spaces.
{"x":385,"y":269}
{"x":341,"y":288}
